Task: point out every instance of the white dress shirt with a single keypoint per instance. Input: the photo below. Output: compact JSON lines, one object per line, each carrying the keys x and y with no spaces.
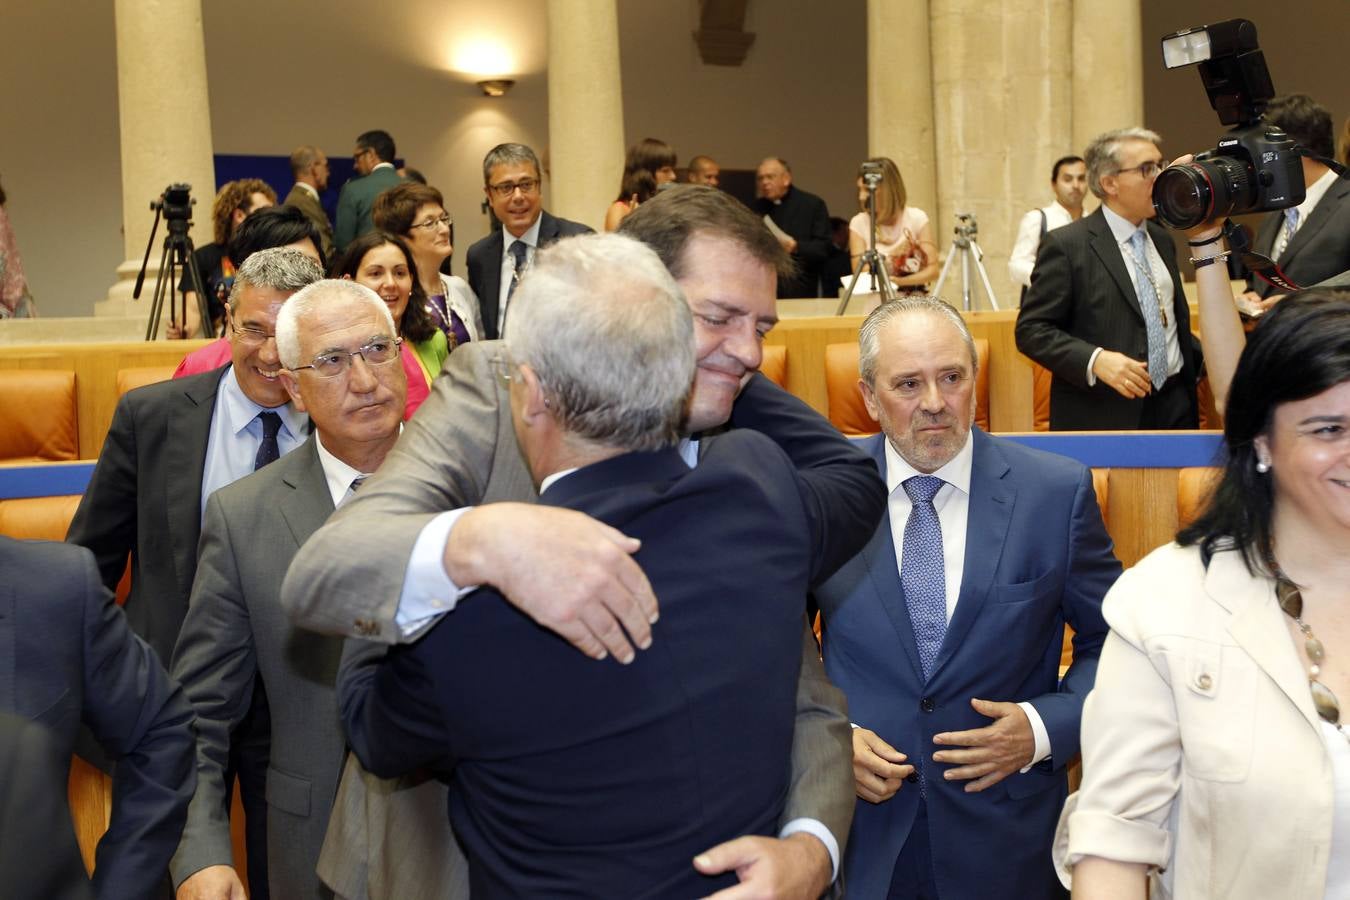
{"x":1023,"y":258}
{"x":952,"y":503}
{"x":531,"y":239}
{"x":1123,"y":230}
{"x":232,"y":444}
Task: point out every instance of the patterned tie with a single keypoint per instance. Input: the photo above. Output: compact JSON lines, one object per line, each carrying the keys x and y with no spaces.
{"x":518,"y":249}
{"x":1148,"y":305}
{"x":268,"y":449}
{"x":353,"y":488}
{"x":1287,"y":233}
{"x":922,"y":575}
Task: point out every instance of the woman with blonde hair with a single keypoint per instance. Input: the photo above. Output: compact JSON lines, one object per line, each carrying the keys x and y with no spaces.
{"x":904,"y":235}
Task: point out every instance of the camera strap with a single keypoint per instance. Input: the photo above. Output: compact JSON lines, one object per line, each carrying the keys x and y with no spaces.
{"x":1239,"y":238}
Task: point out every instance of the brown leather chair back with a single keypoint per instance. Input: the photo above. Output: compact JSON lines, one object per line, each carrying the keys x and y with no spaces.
{"x":1194,"y":485}
{"x":849,"y":414}
{"x":37,"y":415}
{"x":774,"y":365}
{"x":130,"y":379}
{"x":1040,"y":397}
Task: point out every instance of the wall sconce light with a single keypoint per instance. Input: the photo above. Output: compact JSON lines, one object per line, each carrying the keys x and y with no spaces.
{"x":496,"y":87}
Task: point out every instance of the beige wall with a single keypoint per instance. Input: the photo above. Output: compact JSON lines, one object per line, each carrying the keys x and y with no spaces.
{"x":307,"y":71}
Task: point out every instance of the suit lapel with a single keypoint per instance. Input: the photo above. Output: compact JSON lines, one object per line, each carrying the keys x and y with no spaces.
{"x":1103,"y":243}
{"x":1259,"y":628}
{"x":189,"y":430}
{"x":987,"y":523}
{"x":548,"y":229}
{"x":492,"y":282}
{"x":307,"y":503}
{"x":883,"y":571}
{"x":8,"y":652}
{"x":1317,"y":220}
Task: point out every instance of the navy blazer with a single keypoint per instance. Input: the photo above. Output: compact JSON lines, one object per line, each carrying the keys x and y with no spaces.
{"x":577,"y":778}
{"x":70,"y":660}
{"x":484,"y":264}
{"x":1037,"y":555}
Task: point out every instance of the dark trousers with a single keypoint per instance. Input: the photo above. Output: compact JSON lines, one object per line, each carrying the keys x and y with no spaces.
{"x":913,"y":875}
{"x":250,"y":747}
{"x":1171,"y":406}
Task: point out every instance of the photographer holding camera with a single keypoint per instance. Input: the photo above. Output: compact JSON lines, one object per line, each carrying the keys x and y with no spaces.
{"x":1310,"y":241}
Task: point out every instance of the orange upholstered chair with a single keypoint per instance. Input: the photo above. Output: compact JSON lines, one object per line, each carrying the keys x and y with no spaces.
{"x":1101,"y":485}
{"x":130,"y":379}
{"x":37,"y":415}
{"x":774,"y":365}
{"x":38,"y":518}
{"x":847,"y":411}
{"x":1194,"y":484}
{"x":1040,"y":397}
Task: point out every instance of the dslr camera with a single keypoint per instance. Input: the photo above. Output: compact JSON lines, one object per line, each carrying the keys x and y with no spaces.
{"x":1255,"y":167}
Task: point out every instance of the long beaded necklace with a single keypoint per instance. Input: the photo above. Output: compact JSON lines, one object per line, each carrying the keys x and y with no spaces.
{"x":1290,"y":599}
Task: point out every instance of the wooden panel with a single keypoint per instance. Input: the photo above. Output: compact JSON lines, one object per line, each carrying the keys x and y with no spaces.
{"x":95,"y":367}
{"x":1142,"y":511}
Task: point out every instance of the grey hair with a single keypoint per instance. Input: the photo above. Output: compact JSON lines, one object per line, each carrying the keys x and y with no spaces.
{"x":869,"y":336}
{"x":609,"y":334}
{"x":308,"y":299}
{"x":1103,"y":154}
{"x":509,"y":155}
{"x":278,"y":268}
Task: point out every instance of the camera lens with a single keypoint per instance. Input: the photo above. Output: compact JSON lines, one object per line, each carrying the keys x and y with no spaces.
{"x":1187,"y":195}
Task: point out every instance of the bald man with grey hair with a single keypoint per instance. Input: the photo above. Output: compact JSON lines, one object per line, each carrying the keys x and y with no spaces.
{"x":698,"y":735}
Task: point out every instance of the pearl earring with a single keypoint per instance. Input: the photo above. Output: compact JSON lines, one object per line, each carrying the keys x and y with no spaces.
{"x":1262,"y":466}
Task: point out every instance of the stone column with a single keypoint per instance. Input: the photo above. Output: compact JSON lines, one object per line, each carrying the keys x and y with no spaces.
{"x":1108,"y":73}
{"x":165,"y":120}
{"x":585,"y":108}
{"x":1002,"y":116}
{"x":900,"y":95}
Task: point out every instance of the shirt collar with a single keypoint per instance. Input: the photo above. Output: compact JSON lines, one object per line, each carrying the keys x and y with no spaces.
{"x":337,"y":473}
{"x":308,"y":189}
{"x":530,"y":237}
{"x":553,"y":479}
{"x":956,"y":472}
{"x":1313,"y":195}
{"x":1064,"y":209}
{"x":382,"y":165}
{"x":239,"y":410}
{"x":1121,"y":228}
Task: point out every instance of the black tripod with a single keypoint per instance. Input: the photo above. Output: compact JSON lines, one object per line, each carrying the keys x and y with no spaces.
{"x":175,"y":206}
{"x":870,"y":257}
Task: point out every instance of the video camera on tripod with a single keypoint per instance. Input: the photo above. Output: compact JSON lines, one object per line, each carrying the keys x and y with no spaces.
{"x":175,"y":207}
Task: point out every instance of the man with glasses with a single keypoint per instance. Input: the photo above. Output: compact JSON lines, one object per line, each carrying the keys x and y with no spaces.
{"x":375,"y":174}
{"x":340,"y":354}
{"x":1105,"y":312}
{"x":170,"y":446}
{"x":514,"y":188}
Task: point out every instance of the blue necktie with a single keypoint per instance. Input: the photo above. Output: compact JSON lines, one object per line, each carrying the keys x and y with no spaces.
{"x":1148,"y":305}
{"x":268,"y":449}
{"x":922,"y":574}
{"x":1290,"y":226}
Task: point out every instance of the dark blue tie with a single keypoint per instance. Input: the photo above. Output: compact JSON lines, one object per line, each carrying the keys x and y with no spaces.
{"x":268,"y":449}
{"x":922,"y":573}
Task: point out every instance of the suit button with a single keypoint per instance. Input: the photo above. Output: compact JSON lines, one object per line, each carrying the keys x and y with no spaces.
{"x":927,"y":704}
{"x":367,"y":627}
{"x":912,"y":777}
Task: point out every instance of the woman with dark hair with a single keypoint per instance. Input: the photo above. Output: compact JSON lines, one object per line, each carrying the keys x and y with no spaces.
{"x":385,"y":264}
{"x":1215,"y":759}
{"x":647,"y":159}
{"x":417,"y":214}
{"x":904,"y":235}
{"x":14,"y":299}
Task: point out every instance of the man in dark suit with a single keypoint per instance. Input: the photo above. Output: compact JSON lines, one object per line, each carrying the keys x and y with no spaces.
{"x":802,"y":226}
{"x":374,"y":161}
{"x":945,"y":632}
{"x":689,"y":745}
{"x":71,"y":660}
{"x":463,"y":451}
{"x":169,"y":447}
{"x":309,"y":167}
{"x":1105,"y":312}
{"x":1311,"y":241}
{"x":236,"y":631}
{"x":513,"y":184}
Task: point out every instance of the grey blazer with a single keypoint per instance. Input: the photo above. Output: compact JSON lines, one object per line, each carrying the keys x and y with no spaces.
{"x":304,"y":201}
{"x":1320,"y":248}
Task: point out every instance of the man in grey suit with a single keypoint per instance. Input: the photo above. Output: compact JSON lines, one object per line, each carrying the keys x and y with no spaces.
{"x":514,"y":186}
{"x":309,"y":168}
{"x":341,"y":358}
{"x":579,"y":581}
{"x":374,"y":161}
{"x":1311,"y":241}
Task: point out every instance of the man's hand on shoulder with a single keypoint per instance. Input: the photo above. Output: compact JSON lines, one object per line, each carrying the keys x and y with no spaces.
{"x":570,"y":573}
{"x":797,"y":866}
{"x":212,"y":883}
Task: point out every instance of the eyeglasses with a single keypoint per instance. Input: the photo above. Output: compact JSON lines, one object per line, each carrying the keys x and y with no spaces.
{"x":331,"y":363}
{"x":1146,"y":169}
{"x":507,"y":188}
{"x":356,"y":157}
{"x":430,"y":224}
{"x":252,"y":337}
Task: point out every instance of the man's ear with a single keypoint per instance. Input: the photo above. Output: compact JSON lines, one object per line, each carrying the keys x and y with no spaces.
{"x":534,"y":399}
{"x":292,"y":385}
{"x":869,"y":400}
